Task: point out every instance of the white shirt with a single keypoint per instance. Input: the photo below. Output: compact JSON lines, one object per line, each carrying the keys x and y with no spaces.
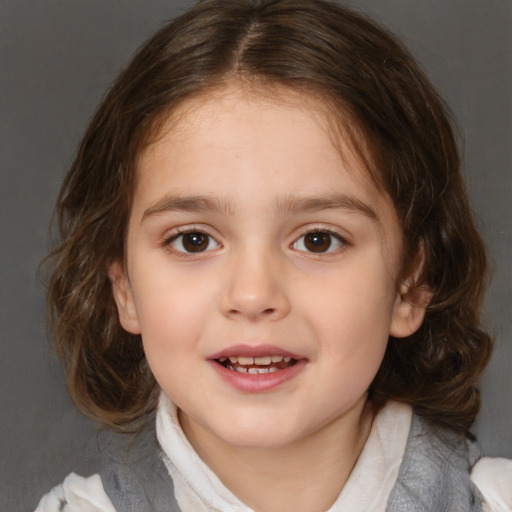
{"x":198,"y":489}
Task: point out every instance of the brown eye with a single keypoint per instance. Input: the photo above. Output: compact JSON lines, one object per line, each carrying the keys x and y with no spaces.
{"x":318,"y":242}
{"x":193,"y":242}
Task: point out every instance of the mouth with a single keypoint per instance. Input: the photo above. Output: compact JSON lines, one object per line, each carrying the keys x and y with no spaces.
{"x":256,"y":365}
{"x":254,"y":369}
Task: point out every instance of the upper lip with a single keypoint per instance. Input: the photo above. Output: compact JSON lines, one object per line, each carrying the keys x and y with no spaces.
{"x":254,"y":351}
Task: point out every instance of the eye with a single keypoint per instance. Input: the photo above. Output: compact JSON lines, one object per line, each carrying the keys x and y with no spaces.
{"x":193,"y":242}
{"x":319,"y":242}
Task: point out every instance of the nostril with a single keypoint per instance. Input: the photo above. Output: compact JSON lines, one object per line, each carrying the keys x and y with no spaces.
{"x":265,"y":313}
{"x":268,"y":303}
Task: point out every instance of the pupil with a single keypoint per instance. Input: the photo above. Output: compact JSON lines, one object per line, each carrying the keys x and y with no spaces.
{"x":195,"y":242}
{"x":318,"y":242}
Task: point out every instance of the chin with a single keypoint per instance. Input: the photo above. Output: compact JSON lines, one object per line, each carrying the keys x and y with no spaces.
{"x":259,"y":437}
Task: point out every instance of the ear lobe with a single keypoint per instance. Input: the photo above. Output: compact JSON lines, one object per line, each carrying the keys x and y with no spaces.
{"x":409,"y":312}
{"x":411,"y":302}
{"x":123,"y":297}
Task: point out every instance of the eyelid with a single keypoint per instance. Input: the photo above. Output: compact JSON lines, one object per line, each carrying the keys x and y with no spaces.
{"x":175,"y":233}
{"x":321,"y":228}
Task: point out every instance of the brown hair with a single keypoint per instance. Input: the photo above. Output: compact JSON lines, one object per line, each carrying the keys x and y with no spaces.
{"x":375,"y":89}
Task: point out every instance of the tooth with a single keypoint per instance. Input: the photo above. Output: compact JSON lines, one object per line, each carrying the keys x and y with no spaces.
{"x":241,"y":369}
{"x":253,"y":370}
{"x":245,"y":360}
{"x":263,"y":360}
{"x":287,"y":359}
{"x":222,"y":359}
{"x":233,"y":360}
{"x":272,"y":369}
{"x":277,"y":359}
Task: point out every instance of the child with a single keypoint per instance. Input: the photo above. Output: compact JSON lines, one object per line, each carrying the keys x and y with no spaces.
{"x":266,"y":241}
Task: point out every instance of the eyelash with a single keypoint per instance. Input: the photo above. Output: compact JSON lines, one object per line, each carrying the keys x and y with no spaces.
{"x":299,"y":244}
{"x":180,"y":233}
{"x":340,"y":242}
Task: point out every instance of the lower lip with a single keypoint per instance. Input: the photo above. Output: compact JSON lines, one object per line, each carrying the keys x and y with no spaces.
{"x":258,"y":382}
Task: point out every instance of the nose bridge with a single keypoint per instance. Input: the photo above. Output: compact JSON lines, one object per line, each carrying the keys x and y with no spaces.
{"x":255,"y":285}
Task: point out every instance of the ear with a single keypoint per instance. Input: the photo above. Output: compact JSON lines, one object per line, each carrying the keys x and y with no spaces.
{"x":411,"y":302}
{"x":123,"y":297}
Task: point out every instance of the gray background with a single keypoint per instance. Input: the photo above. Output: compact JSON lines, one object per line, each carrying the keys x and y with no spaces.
{"x":57,"y":58}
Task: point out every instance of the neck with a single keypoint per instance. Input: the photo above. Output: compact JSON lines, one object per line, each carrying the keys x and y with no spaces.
{"x":286,"y":479}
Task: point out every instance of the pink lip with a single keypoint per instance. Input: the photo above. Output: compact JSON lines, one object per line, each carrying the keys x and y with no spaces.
{"x":254,"y":351}
{"x":259,"y":382}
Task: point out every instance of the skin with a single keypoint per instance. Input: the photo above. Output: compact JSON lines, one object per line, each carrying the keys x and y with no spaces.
{"x":252,"y":161}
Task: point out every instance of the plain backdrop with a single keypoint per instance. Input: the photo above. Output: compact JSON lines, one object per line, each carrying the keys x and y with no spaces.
{"x":57,"y":58}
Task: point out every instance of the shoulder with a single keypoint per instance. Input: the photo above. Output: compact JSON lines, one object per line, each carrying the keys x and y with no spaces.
{"x":435,"y":458}
{"x":438,"y":458}
{"x":493,"y":478}
{"x":129,"y":476}
{"x":140,"y":485}
{"x":77,"y":494}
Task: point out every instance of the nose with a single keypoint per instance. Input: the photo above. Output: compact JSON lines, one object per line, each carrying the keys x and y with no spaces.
{"x":255,"y":288}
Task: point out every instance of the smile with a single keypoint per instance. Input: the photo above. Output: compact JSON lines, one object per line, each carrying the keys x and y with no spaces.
{"x":255,"y":369}
{"x":256,"y":365}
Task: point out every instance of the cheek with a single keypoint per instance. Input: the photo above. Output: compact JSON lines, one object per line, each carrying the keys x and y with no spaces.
{"x":171,"y":312}
{"x":352,"y":360}
{"x":351,"y":317}
{"x":355,"y":305}
{"x":168,"y":294}
{"x":172,"y":325}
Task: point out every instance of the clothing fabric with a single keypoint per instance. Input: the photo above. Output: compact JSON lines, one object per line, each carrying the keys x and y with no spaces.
{"x":198,"y":489}
{"x":435,"y":460}
{"x":402,"y":461}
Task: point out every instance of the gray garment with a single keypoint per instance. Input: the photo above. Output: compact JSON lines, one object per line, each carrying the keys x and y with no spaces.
{"x":435,"y":472}
{"x":135,"y":477}
{"x":434,"y":475}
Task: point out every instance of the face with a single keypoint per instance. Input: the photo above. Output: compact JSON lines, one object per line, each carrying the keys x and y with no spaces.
{"x":261,"y":270}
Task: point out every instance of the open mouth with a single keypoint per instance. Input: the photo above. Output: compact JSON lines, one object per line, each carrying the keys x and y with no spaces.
{"x":257,"y":368}
{"x":256,"y":365}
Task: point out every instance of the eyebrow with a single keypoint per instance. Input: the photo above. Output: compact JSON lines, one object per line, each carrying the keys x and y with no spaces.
{"x":334,"y":201}
{"x":188,"y":204}
{"x":290,"y":204}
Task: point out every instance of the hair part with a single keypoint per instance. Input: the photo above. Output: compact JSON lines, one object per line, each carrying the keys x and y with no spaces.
{"x":396,"y":123}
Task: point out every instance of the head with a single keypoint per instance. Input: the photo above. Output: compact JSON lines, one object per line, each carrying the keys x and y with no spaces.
{"x":379,"y":110}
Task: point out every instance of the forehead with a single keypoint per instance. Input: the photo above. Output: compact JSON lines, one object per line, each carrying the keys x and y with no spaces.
{"x":274,"y":134}
{"x":272,"y":116}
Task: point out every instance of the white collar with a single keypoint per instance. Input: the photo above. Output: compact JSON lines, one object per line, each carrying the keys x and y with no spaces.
{"x":197,"y":487}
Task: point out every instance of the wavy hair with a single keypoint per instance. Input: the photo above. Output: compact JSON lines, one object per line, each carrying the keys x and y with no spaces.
{"x":376,"y":92}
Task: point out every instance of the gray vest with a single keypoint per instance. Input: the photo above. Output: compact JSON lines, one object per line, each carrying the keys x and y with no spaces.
{"x":434,"y":475}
